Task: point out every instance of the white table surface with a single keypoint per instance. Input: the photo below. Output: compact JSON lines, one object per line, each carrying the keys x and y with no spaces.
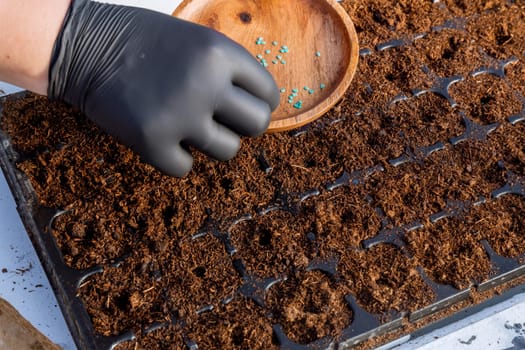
{"x":24,"y":284}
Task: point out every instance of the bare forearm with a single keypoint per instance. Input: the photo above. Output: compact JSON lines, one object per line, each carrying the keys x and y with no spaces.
{"x":29,"y":29}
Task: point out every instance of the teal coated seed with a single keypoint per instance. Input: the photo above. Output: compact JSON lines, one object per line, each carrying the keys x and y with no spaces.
{"x":318,"y":54}
{"x":283,"y":90}
{"x":311,"y":91}
{"x":294,"y":94}
{"x":298,"y":104}
{"x":279,"y":57}
{"x":274,"y":61}
{"x":259,"y":56}
{"x":267,"y":51}
{"x":322,"y":86}
{"x":283,"y":61}
{"x":275,"y":43}
{"x":306,"y":88}
{"x":295,"y":90}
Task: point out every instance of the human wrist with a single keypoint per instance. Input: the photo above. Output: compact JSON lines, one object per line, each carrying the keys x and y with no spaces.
{"x":29,"y":29}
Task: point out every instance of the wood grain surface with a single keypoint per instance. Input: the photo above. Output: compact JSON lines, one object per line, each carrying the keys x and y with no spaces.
{"x":17,"y":333}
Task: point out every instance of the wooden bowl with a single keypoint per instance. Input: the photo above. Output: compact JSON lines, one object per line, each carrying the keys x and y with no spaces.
{"x":322,"y":48}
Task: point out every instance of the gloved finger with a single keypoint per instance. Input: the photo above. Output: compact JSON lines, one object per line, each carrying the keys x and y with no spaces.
{"x":173,"y":161}
{"x":243,"y":112}
{"x":250,"y":75}
{"x":217,"y":141}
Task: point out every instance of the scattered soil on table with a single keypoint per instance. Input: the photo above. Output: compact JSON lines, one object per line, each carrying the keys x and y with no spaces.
{"x":398,"y":178}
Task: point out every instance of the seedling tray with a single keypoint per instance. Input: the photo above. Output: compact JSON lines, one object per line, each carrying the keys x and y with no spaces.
{"x":404,"y":203}
{"x":66,"y":281}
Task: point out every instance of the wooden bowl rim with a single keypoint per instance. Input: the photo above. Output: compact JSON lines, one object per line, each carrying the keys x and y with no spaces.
{"x":338,"y":92}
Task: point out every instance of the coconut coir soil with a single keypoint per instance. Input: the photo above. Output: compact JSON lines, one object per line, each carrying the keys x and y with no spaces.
{"x":277,"y":235}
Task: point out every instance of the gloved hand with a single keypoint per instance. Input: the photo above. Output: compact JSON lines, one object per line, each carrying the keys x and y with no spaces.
{"x":160,"y":84}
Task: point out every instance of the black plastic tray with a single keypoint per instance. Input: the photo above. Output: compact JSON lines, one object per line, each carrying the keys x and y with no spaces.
{"x":65,"y":281}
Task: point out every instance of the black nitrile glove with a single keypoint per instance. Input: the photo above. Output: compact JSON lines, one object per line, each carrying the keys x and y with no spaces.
{"x":160,"y":84}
